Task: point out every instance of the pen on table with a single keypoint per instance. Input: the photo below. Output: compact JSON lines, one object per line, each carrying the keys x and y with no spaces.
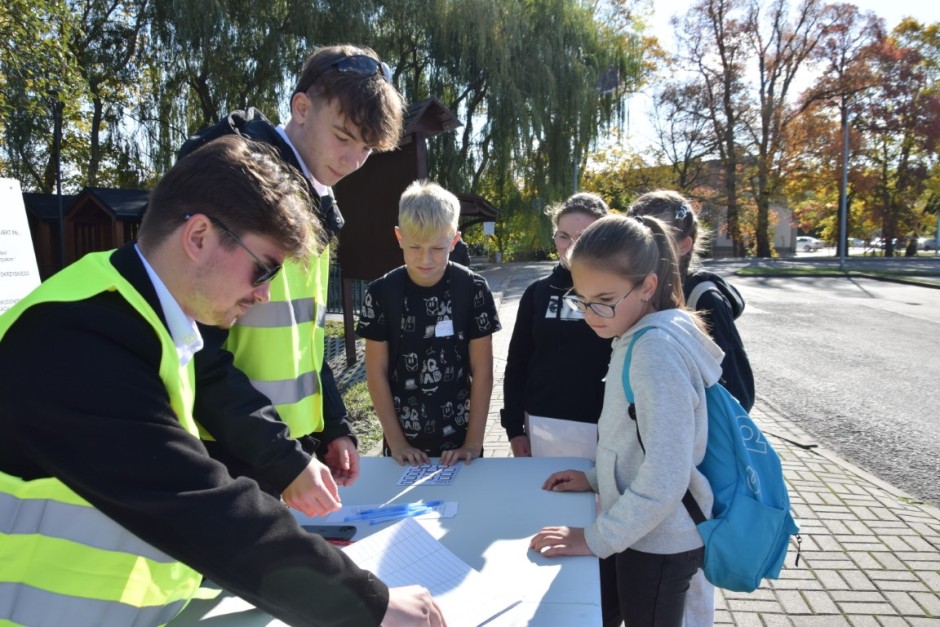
{"x":383,"y":509}
{"x":376,"y":516}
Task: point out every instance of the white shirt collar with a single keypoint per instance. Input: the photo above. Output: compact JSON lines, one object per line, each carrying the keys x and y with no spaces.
{"x":183,"y":329}
{"x":320,"y":188}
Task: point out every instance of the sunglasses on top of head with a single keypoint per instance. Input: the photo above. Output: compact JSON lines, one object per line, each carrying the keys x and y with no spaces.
{"x":357,"y":65}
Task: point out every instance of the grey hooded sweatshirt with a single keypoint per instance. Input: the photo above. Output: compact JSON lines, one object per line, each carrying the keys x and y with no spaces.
{"x":641,"y":493}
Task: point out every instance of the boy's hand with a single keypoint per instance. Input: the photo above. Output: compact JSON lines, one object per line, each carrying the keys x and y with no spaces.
{"x":462,"y":454}
{"x":343,"y":460}
{"x":409,"y":455}
{"x":551,"y":541}
{"x":520,"y":446}
{"x":567,"y":481}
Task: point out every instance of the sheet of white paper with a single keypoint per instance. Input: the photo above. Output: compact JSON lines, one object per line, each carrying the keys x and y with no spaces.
{"x":551,"y":437}
{"x":406,"y":554}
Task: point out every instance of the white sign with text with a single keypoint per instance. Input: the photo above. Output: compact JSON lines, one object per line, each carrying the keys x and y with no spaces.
{"x":19,"y":274}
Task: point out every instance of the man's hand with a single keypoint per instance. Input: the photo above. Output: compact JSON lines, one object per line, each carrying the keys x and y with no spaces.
{"x":520,"y":446}
{"x":412,"y":605}
{"x":552,"y":541}
{"x":343,"y":460}
{"x":313,"y":491}
{"x":463,"y":454}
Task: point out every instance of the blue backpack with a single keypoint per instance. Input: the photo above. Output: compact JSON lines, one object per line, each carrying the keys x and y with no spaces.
{"x":747,"y":537}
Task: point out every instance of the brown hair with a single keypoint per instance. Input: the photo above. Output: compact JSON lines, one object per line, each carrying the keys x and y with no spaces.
{"x":243,"y":183}
{"x":370,"y":102}
{"x":585,"y":203}
{"x":633,"y":248}
{"x":677,"y":212}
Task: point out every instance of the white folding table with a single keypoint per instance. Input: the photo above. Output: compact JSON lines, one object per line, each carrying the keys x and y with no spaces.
{"x":501,"y":506}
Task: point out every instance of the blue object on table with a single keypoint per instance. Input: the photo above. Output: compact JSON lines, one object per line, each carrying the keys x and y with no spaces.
{"x":377,"y":515}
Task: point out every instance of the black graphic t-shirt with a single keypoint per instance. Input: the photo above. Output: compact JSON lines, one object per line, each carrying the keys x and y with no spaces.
{"x":430,"y":379}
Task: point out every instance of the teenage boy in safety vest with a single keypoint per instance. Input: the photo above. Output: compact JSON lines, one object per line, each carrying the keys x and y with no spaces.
{"x":111,"y":510}
{"x":343,"y":108}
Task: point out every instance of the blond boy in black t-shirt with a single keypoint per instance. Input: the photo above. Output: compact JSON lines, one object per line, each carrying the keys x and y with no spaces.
{"x":432,"y":396}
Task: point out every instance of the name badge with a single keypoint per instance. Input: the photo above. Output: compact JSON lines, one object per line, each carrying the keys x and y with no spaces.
{"x":444,"y":328}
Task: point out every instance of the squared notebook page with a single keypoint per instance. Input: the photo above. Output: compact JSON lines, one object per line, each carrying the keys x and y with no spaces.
{"x":406,"y":554}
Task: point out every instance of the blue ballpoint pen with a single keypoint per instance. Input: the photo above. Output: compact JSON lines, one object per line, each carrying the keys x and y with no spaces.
{"x":387,"y":509}
{"x":383,"y":514}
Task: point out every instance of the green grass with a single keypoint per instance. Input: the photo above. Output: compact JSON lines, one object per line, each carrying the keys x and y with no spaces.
{"x":911,"y":277}
{"x":362,"y":416}
{"x":334,"y":328}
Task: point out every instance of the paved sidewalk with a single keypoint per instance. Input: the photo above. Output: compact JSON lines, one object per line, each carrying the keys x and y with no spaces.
{"x":870,"y":554}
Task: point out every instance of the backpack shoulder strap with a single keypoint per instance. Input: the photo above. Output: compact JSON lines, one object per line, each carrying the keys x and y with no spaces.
{"x":697,"y":292}
{"x":626,"y":366}
{"x":688,"y":500}
{"x":393,"y":298}
{"x":461,"y":294}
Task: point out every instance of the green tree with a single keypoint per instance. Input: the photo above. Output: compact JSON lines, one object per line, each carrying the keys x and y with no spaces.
{"x":214,"y":56}
{"x":899,"y":118}
{"x":712,"y":40}
{"x":37,"y":71}
{"x":842,"y":51}
{"x":781,"y":45}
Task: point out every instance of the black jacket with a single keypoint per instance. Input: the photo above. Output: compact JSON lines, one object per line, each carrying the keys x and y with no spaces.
{"x":555,"y":367}
{"x":720,"y":308}
{"x":81,"y":400}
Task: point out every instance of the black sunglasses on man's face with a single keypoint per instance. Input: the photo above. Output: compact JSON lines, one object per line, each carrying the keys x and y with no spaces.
{"x":264,"y":272}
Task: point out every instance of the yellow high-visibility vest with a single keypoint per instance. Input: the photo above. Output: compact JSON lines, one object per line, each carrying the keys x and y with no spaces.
{"x":63,"y":562}
{"x":279,"y":345}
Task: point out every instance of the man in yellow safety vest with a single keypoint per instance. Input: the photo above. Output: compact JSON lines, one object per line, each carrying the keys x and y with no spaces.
{"x":111,"y":509}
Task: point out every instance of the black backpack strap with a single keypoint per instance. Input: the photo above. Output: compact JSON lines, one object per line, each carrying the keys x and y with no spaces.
{"x":232,"y":124}
{"x":461,"y":295}
{"x":393,"y":299}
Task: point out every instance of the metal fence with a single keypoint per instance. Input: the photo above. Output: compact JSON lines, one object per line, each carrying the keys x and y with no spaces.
{"x":334,"y":301}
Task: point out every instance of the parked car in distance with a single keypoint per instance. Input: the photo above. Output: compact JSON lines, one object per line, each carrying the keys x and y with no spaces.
{"x":855,"y":242}
{"x":808,"y":244}
{"x":927,"y":243}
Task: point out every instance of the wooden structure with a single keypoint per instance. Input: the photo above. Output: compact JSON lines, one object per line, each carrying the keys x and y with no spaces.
{"x":98,"y":218}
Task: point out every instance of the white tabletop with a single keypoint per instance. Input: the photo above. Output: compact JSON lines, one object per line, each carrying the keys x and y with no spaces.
{"x":501,"y":506}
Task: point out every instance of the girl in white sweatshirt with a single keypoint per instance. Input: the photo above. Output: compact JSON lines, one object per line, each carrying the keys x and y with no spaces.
{"x":626,"y":278}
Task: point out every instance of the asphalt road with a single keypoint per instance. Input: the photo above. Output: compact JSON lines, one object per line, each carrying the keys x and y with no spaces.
{"x":855,"y":363}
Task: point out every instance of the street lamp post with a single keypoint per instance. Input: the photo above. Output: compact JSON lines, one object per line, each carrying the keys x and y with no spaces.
{"x":843,"y":195}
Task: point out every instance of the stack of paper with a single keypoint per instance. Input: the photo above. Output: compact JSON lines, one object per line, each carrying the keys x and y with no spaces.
{"x":405,"y":554}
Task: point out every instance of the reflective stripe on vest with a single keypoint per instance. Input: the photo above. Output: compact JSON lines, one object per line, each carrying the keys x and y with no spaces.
{"x":61,"y":560}
{"x":279,"y":345}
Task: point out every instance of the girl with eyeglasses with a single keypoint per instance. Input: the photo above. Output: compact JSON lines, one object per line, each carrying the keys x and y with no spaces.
{"x":719,"y":304}
{"x":626,"y":278}
{"x":553,"y":384}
